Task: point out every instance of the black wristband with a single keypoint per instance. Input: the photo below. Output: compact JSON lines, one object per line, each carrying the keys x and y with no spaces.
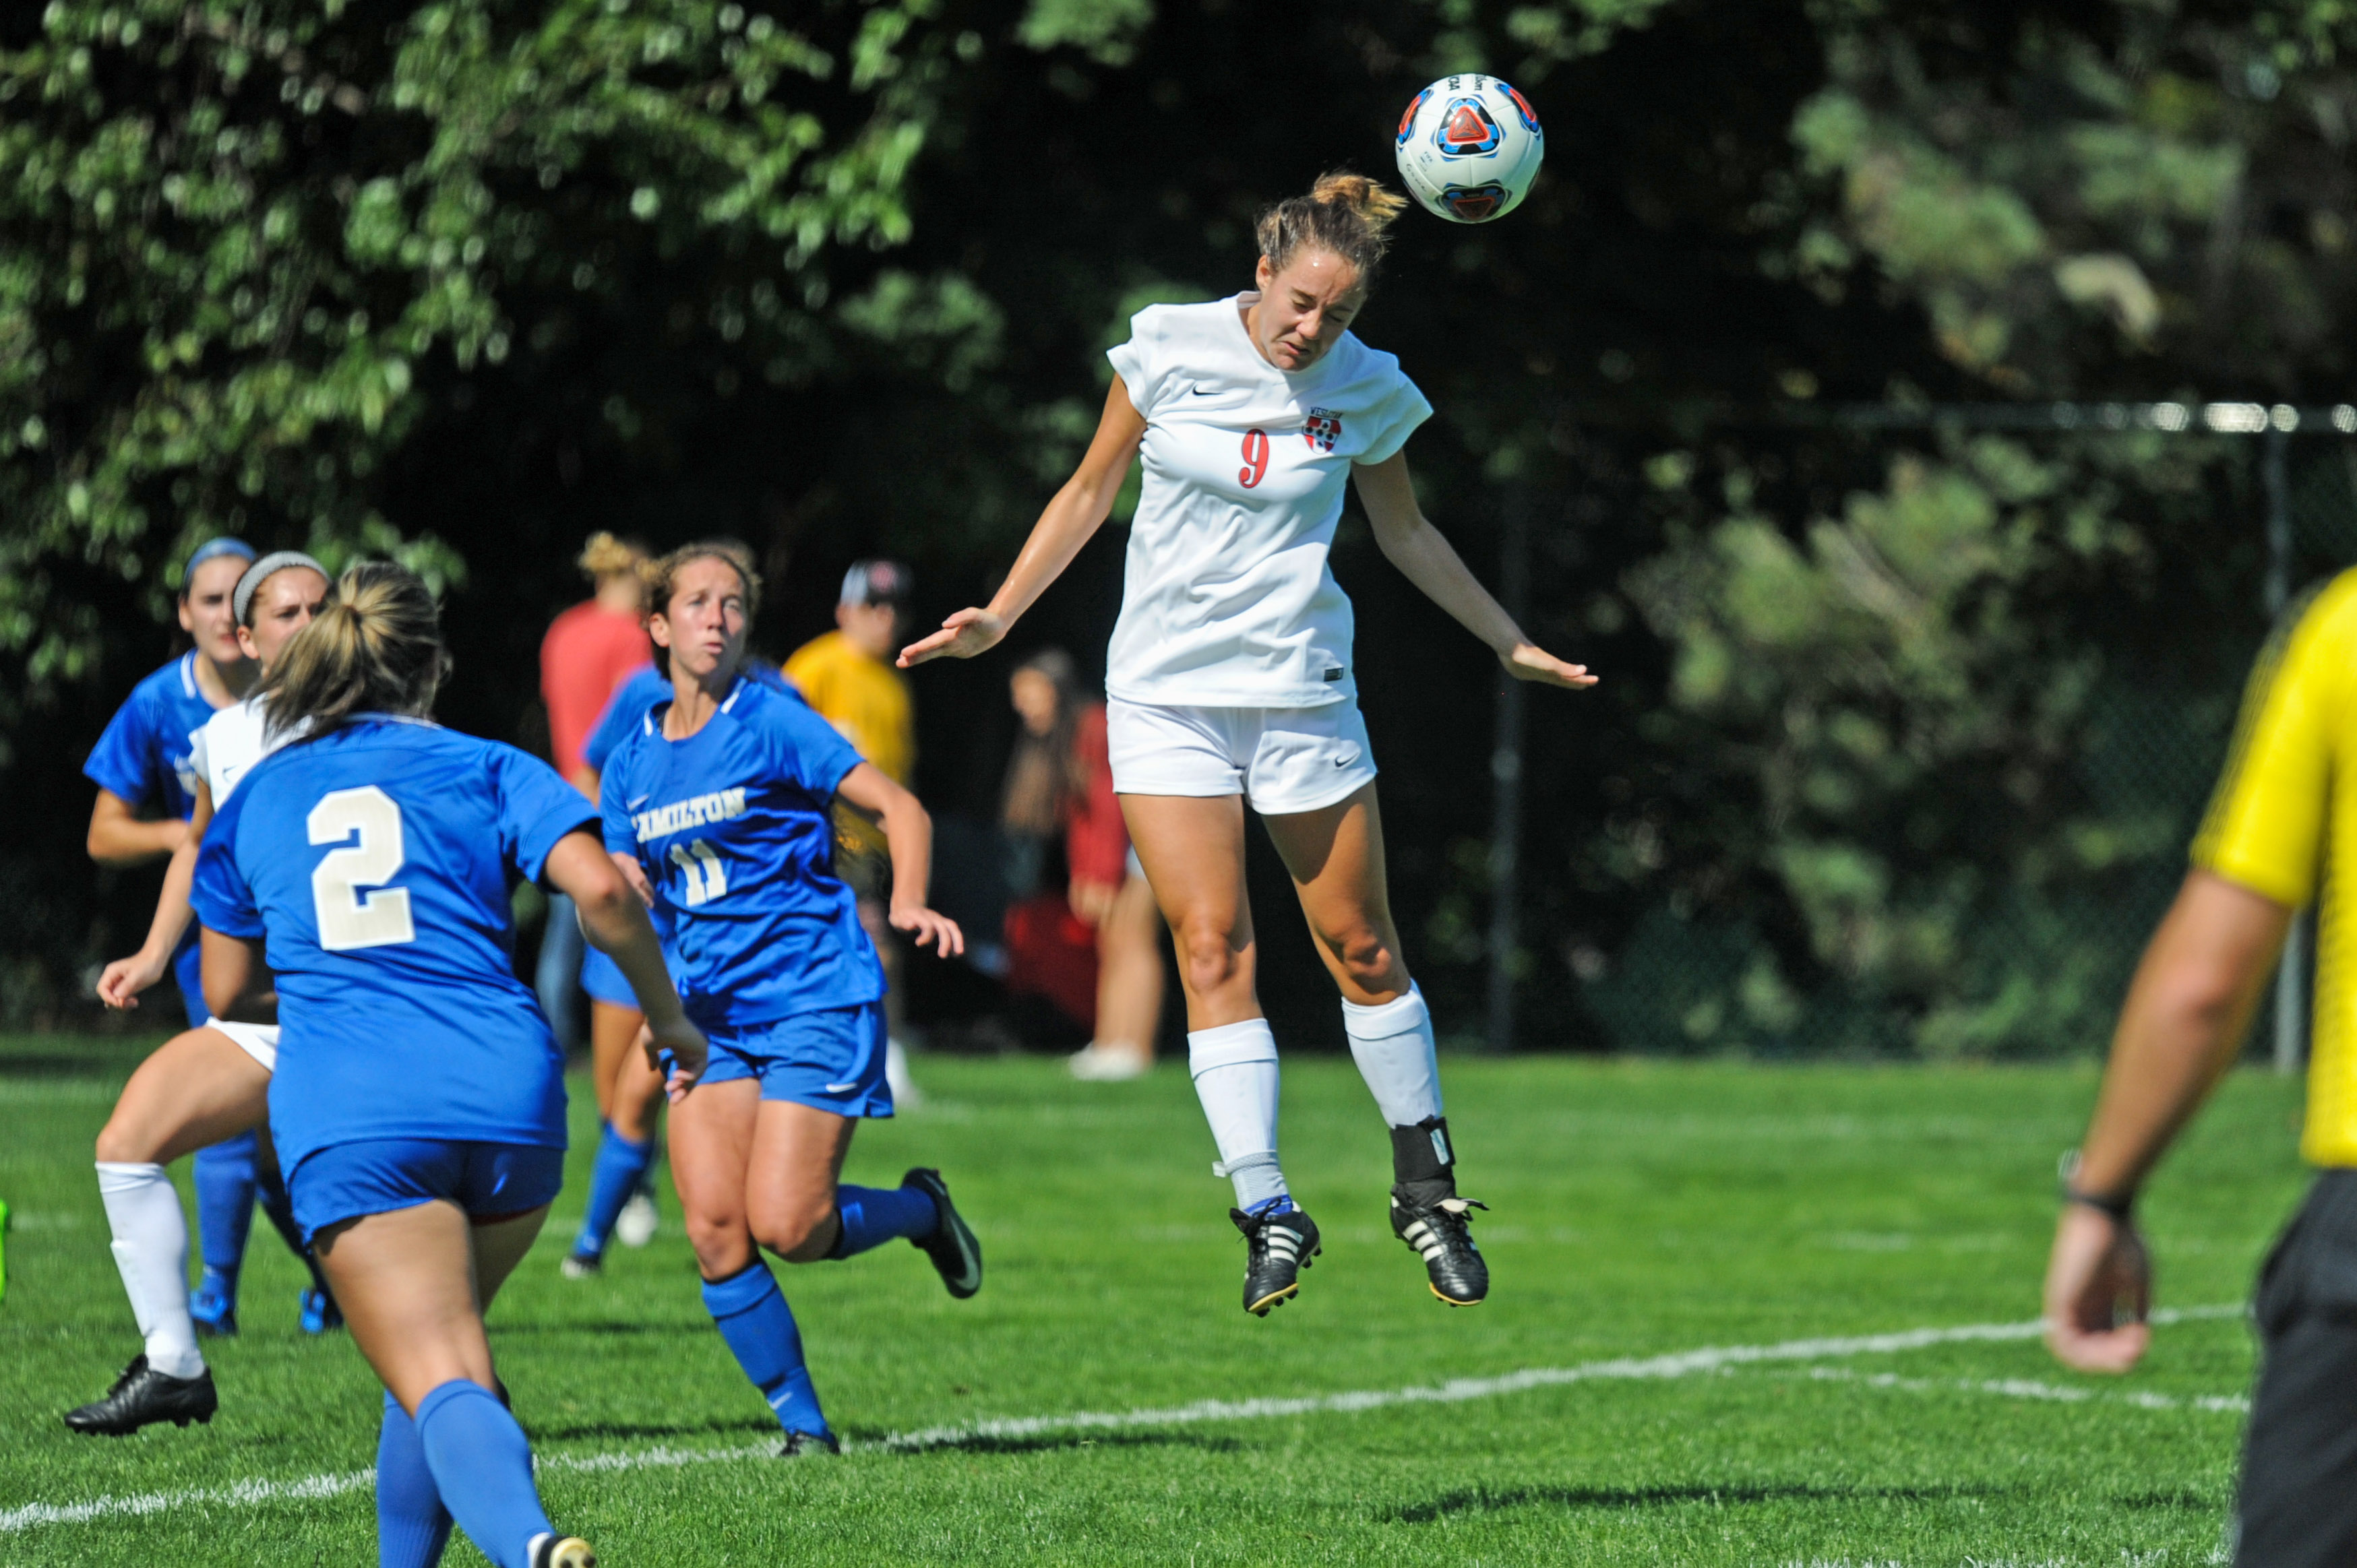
{"x":2067,"y":1169}
{"x":2121,"y":1209}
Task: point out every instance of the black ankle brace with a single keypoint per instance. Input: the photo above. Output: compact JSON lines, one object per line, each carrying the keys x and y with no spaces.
{"x":1424,"y":1164}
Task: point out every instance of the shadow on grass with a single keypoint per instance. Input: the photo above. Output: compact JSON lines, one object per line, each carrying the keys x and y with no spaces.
{"x":1477,"y":1501}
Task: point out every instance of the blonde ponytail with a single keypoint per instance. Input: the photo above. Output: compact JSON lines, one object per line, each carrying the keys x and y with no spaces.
{"x":376,"y":647}
{"x":1344,"y":213}
{"x":606,"y":556}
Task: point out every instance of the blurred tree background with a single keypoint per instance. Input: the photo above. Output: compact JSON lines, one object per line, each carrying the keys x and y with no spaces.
{"x":1893,"y":750}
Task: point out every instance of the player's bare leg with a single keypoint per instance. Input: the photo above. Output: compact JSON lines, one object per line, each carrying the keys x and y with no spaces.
{"x":1336,"y":859}
{"x":1193,"y":851}
{"x":195,"y":1090}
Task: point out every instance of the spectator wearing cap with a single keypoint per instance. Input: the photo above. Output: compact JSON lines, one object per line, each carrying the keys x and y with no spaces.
{"x":590,"y":649}
{"x":846,"y":675}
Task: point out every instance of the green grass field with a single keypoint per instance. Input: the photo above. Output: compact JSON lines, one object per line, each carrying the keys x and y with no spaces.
{"x":1638,"y":1210}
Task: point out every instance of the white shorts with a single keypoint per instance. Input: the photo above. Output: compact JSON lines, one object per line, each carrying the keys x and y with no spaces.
{"x":259,"y":1041}
{"x":1282,"y":761}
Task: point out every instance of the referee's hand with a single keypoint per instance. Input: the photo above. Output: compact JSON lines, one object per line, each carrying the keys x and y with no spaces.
{"x":2098,"y":1290}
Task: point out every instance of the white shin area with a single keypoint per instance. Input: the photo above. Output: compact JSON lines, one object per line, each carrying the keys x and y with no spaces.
{"x":1234,"y":1067}
{"x":151,"y":1252}
{"x":1392,"y":1042}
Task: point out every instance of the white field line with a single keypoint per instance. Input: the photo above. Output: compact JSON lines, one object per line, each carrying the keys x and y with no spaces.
{"x":2028,"y":1388}
{"x":1680,"y":1364}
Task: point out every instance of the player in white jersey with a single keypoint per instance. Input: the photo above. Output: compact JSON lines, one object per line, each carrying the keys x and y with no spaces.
{"x":201,"y":1086}
{"x":1230,"y":681}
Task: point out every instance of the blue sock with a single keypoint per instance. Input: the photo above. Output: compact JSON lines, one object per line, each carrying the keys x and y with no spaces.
{"x":224,"y":1180}
{"x":412,"y":1525}
{"x":270,"y":1189}
{"x":1281,"y":1204}
{"x":622,"y":1166}
{"x":874,"y":1214}
{"x":482,"y":1468}
{"x":759,"y":1326}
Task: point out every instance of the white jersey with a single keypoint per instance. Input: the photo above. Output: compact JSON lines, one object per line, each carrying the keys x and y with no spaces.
{"x":229,"y":745}
{"x":1226,"y":600}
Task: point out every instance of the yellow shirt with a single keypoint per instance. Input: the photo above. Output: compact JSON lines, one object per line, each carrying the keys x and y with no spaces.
{"x":865,"y":700}
{"x":2286,"y":809}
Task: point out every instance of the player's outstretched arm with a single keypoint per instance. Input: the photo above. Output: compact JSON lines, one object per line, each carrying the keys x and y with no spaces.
{"x":2179,"y":1032}
{"x":908,"y":834}
{"x":118,"y":837}
{"x":1078,"y":510}
{"x":120,"y":983}
{"x":1426,"y":558}
{"x":614,"y":918}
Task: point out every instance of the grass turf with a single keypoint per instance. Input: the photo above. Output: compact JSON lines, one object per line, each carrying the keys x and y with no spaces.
{"x":1638,"y":1209}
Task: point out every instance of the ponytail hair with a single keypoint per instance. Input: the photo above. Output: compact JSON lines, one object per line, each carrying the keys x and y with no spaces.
{"x":660,"y":579}
{"x":603,"y":555}
{"x":375,"y":647}
{"x":1344,"y":213}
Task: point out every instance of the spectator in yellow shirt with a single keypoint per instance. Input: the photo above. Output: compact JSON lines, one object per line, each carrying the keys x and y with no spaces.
{"x":848,"y":677}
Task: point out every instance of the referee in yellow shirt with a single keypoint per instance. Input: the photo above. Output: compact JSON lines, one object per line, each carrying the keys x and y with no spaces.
{"x":848,"y":677}
{"x":2286,"y":807}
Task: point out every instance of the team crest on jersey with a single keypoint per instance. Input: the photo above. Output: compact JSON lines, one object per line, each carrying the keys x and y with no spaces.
{"x":1323,"y":429}
{"x":1467,"y":131}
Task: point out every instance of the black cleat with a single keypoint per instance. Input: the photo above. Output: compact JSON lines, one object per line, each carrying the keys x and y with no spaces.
{"x":1278,"y":1247}
{"x":1442,"y":1234}
{"x":810,"y":1445}
{"x":956,"y":1254}
{"x":143,"y":1396}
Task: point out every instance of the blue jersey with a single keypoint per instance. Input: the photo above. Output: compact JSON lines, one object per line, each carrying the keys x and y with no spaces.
{"x":144,"y":755}
{"x":376,"y":864}
{"x":731,"y":827}
{"x":641,"y":690}
{"x":144,"y":758}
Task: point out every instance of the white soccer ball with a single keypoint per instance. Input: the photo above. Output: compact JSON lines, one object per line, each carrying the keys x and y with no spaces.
{"x":1469,"y":148}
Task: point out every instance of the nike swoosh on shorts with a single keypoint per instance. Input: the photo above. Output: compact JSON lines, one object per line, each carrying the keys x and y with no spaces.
{"x":842,"y":1088}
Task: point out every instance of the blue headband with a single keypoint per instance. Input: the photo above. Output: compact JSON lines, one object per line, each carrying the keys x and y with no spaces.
{"x":213,"y":550}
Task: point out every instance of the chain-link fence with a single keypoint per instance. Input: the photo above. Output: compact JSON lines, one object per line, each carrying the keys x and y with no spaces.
{"x":2147,"y":753}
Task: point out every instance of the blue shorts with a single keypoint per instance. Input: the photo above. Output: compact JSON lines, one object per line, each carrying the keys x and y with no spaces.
{"x":601,"y":977}
{"x":829,"y":1060}
{"x":489,"y":1181}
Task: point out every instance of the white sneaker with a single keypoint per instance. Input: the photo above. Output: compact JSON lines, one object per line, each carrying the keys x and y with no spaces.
{"x":1100,"y":1063}
{"x":906,"y":1095}
{"x":636,"y":1225}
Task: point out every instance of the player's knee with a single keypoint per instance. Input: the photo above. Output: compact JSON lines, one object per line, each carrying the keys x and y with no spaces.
{"x":1209,"y":951}
{"x":1371,"y":962}
{"x":720,"y":1243}
{"x":118,"y":1145}
{"x":800,"y":1232}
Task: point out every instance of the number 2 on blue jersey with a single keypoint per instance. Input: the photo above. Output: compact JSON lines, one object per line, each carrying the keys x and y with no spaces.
{"x":706,"y":878}
{"x":348,"y":918}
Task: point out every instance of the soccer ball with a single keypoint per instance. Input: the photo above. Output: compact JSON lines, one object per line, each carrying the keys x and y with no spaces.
{"x":1469,"y":148}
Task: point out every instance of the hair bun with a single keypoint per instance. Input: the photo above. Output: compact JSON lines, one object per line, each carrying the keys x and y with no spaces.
{"x":1365,"y":197}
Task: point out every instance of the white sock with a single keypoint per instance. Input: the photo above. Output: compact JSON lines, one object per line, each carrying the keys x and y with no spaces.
{"x":151,"y":1252}
{"x":1235,"y":1078}
{"x":1392,"y":1043}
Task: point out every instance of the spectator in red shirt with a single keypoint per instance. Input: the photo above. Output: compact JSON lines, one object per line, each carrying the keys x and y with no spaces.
{"x":1060,"y":779}
{"x":589,"y":650}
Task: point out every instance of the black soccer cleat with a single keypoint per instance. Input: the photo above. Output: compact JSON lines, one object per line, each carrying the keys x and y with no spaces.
{"x":1443,"y":1233}
{"x":142,"y":1396}
{"x":1278,"y":1247}
{"x":810,"y":1445}
{"x":953,"y":1247}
